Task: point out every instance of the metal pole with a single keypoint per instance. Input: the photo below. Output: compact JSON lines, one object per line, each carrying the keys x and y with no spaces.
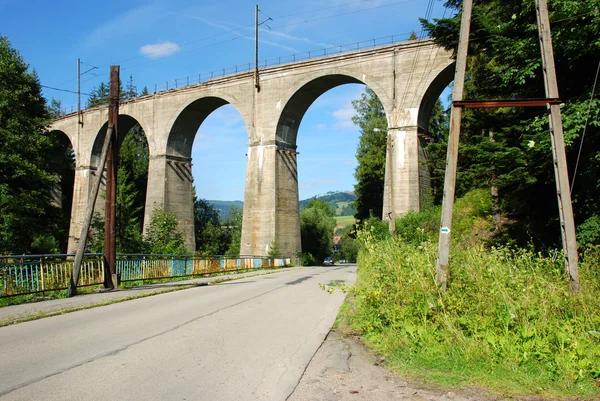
{"x":256,"y":83}
{"x":441,"y":276}
{"x":565,"y":207}
{"x":78,"y":93}
{"x":110,"y":252}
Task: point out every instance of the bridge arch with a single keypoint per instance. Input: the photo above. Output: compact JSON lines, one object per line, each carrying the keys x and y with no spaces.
{"x":133,"y":156}
{"x":188,"y":120}
{"x":432,"y":94}
{"x":178,"y":178}
{"x":299,"y":99}
{"x":125,"y":123}
{"x":64,"y":159}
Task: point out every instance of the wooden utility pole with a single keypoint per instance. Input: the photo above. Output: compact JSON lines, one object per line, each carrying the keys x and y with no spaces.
{"x":494,"y":191}
{"x":441,"y":276}
{"x":110,"y":250}
{"x":107,"y":149}
{"x":563,"y":191}
{"x":552,"y":103}
{"x":88,"y":218}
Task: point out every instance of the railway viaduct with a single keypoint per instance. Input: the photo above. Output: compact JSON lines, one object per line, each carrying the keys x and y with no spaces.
{"x":408,"y":78}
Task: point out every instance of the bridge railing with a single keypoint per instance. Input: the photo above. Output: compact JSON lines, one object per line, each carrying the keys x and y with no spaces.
{"x":29,"y":274}
{"x":292,"y":58}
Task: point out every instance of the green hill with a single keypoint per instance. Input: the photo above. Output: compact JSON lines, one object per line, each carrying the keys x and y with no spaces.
{"x":341,"y":202}
{"x":223,"y":207}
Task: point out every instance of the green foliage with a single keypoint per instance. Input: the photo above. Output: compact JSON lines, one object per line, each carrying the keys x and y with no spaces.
{"x":28,"y":176}
{"x":99,"y":95}
{"x":341,"y":202}
{"x":378,"y":229}
{"x":588,"y":233}
{"x":348,"y":248}
{"x":274,"y":251}
{"x":504,"y":63}
{"x":45,"y":244}
{"x":316,"y":229}
{"x":508,"y":320}
{"x":55,"y":108}
{"x":212,"y":238}
{"x":129,"y":215}
{"x":370,"y":172}
{"x":234,"y":222}
{"x":162,"y":236}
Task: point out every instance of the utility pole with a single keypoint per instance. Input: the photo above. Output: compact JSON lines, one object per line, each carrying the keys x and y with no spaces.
{"x":494,"y":191}
{"x":110,"y":251}
{"x":256,"y":25}
{"x":552,"y":103}
{"x":78,"y":95}
{"x":563,"y":191}
{"x":107,"y":149}
{"x":79,"y":74}
{"x":441,"y":275}
{"x":256,"y":82}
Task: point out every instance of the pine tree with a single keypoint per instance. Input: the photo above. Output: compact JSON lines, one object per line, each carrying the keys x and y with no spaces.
{"x":370,"y":172}
{"x":27,"y":176}
{"x":504,"y":63}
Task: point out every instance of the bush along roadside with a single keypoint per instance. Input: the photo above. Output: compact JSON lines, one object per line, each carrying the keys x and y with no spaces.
{"x":507,"y":321}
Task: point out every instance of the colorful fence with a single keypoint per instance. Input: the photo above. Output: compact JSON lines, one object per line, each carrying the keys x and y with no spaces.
{"x":27,"y":274}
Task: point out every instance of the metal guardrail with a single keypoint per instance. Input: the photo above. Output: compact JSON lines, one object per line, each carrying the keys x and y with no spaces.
{"x":292,"y":58}
{"x":30,"y":274}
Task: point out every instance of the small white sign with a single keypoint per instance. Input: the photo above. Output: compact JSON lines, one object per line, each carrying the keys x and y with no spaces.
{"x":445,"y":230}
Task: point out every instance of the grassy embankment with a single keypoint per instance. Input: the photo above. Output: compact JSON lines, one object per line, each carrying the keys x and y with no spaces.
{"x":507,"y":322}
{"x":344,"y":221}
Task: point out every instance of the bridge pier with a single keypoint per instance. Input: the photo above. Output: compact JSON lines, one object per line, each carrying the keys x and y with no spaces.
{"x":271,"y":207}
{"x":82,"y":188}
{"x":405,"y":170}
{"x":170,"y":186}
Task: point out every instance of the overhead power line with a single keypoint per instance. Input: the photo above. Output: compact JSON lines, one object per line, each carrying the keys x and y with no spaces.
{"x":63,"y":90}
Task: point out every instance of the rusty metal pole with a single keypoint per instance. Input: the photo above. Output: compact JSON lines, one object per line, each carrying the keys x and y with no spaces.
{"x":110,"y":249}
{"x":441,"y":276}
{"x":563,"y":191}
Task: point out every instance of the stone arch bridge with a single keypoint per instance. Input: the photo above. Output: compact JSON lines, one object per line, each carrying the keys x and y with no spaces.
{"x":408,"y":78}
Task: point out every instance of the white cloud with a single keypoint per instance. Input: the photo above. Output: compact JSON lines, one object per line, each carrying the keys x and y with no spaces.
{"x":159,"y":49}
{"x":320,"y":127}
{"x":344,"y":116}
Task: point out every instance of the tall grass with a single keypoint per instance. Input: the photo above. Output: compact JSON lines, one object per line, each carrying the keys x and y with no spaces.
{"x":507,"y":321}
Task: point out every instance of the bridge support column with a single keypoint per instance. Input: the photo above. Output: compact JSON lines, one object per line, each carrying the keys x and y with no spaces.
{"x":170,"y":187}
{"x":271,"y":207}
{"x":404,"y":173}
{"x":81,"y":192}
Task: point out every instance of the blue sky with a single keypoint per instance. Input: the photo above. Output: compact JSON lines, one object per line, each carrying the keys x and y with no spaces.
{"x":156,"y":41}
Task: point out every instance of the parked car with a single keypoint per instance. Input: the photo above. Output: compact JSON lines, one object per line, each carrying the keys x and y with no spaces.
{"x":328,"y":261}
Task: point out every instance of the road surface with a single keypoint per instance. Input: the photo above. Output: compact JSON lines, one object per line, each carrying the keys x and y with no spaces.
{"x":248,"y":339}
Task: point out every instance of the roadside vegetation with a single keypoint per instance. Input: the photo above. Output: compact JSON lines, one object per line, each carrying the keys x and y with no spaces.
{"x":507,"y":322}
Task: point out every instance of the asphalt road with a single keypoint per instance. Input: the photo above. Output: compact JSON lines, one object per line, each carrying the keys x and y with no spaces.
{"x":248,"y":339}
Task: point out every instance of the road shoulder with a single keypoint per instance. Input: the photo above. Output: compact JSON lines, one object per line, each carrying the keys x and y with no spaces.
{"x":344,"y":370}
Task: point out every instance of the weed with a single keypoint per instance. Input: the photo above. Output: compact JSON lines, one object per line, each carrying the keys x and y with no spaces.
{"x":507,"y":321}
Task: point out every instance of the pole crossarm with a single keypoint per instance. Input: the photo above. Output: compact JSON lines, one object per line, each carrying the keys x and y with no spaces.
{"x":493,"y":104}
{"x":552,"y":102}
